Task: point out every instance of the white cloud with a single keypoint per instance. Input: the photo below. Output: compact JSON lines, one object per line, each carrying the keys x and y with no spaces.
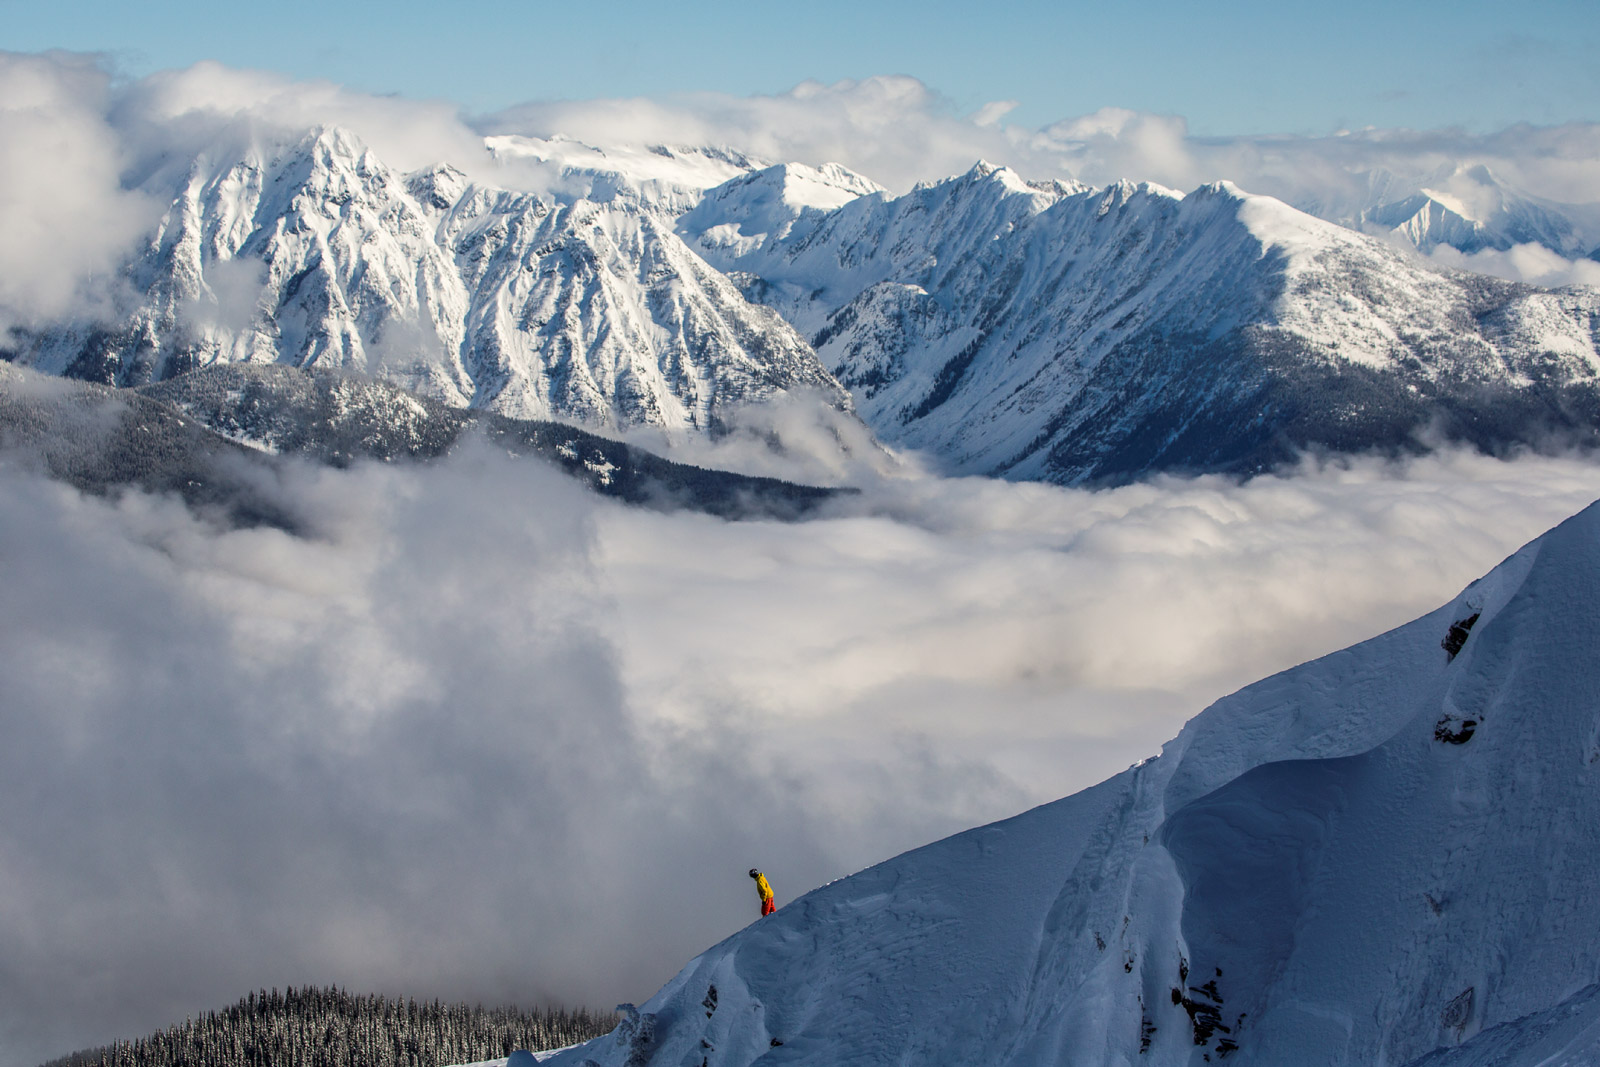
{"x":485,"y":736}
{"x":899,"y":131}
{"x":196,"y":105}
{"x":991,"y":113}
{"x":893,"y":129}
{"x":1531,"y":263}
{"x":65,"y":217}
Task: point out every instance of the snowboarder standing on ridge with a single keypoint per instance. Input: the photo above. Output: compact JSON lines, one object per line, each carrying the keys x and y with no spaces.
{"x":764,"y":887}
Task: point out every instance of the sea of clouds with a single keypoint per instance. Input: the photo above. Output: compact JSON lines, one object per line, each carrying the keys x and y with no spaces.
{"x":479,"y":734}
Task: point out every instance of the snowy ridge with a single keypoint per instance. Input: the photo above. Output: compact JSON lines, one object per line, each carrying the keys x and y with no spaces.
{"x":1073,"y":334}
{"x":1385,"y":856}
{"x":318,"y":255}
{"x":210,"y":435}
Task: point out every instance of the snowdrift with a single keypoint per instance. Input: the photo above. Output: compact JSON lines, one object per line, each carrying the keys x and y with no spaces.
{"x":1385,"y":856}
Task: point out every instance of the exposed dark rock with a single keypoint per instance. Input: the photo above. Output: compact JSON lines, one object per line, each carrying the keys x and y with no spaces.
{"x":1457,"y":635}
{"x":1454,"y":731}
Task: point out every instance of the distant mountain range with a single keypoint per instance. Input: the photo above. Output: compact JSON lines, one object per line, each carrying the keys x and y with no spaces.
{"x":1069,"y":334}
{"x":1027,"y":330}
{"x":1468,"y":208}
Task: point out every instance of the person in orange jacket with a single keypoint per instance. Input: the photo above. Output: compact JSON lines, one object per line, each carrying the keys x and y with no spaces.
{"x":764,"y":887}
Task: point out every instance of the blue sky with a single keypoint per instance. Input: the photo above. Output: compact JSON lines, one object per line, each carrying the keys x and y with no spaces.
{"x":1231,"y":68}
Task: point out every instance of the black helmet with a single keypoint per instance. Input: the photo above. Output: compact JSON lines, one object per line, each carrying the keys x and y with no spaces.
{"x":754,"y":873}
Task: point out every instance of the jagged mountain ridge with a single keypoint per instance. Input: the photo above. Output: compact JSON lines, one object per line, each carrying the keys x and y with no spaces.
{"x":1029,"y":330}
{"x":1387,"y":855}
{"x":1068,"y":334}
{"x":316,"y":254}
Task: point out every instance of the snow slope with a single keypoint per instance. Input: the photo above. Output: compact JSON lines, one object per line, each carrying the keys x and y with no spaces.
{"x":1390,"y":855}
{"x":749,"y":212}
{"x":1068,"y":334}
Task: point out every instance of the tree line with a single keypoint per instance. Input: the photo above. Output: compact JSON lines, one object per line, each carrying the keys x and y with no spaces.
{"x":310,"y":1027}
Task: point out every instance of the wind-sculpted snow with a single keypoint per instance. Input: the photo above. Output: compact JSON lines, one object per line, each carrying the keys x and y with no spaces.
{"x":1072,"y":334}
{"x":318,"y":255}
{"x":1315,"y":871}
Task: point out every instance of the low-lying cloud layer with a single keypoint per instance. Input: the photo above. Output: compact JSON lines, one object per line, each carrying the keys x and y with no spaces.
{"x":486,"y":736}
{"x":1531,"y":263}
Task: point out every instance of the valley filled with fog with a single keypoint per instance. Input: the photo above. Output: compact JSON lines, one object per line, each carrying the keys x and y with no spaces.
{"x":479,"y":734}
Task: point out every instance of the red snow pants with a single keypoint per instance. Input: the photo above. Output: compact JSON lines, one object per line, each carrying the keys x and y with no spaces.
{"x":768,"y":906}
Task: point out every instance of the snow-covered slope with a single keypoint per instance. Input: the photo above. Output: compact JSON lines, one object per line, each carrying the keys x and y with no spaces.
{"x":1385,"y":856}
{"x":1071,"y":334}
{"x":315,"y":253}
{"x":751,"y":211}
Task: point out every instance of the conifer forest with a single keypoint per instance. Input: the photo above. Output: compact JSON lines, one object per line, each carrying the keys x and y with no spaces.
{"x":309,"y":1027}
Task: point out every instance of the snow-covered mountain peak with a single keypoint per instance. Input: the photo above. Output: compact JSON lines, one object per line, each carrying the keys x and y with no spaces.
{"x":1119,"y":194}
{"x":1027,"y":329}
{"x":439,"y":187}
{"x":1472,"y":191}
{"x":1057,"y":188}
{"x":1032,"y":333}
{"x":1466,"y":206}
{"x":794,"y":187}
{"x":1277,"y":225}
{"x":1008,"y":182}
{"x":332,"y":142}
{"x":745,"y":213}
{"x":839,"y":177}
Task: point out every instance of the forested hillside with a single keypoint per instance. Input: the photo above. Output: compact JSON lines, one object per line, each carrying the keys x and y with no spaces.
{"x":332,"y":1028}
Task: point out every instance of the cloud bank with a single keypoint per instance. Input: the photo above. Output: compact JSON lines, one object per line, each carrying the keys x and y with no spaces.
{"x":485,"y":736}
{"x":899,"y":131}
{"x":64,"y":212}
{"x":1531,"y":263}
